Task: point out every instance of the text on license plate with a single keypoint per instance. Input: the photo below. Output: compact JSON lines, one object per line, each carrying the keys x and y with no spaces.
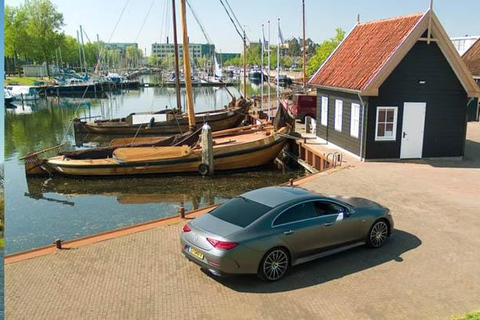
{"x":195,"y":252}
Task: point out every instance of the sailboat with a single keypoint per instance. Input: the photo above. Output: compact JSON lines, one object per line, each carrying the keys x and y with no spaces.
{"x":169,"y":121}
{"x":238,"y":148}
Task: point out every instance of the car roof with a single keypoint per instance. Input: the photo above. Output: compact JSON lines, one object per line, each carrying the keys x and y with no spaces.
{"x":274,"y":196}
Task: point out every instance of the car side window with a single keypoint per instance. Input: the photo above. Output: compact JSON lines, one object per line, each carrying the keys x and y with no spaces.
{"x":323,"y":208}
{"x":299,"y":212}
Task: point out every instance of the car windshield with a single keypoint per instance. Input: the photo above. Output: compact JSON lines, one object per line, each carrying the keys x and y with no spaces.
{"x":240,"y":211}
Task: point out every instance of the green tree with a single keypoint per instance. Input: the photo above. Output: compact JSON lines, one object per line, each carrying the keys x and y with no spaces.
{"x":112,"y":58}
{"x":202,"y":62}
{"x":44,"y":25}
{"x":153,"y":60}
{"x":324,"y":50}
{"x":133,"y":56}
{"x":16,"y":38}
{"x":69,"y":52}
{"x":237,"y":61}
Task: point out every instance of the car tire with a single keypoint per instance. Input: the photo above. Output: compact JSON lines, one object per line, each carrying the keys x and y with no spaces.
{"x":274,"y":265}
{"x":377,"y":234}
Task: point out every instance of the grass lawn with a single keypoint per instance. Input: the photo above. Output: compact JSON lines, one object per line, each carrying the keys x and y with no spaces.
{"x":469,"y":316}
{"x":26,"y":81}
{"x":2,"y":242}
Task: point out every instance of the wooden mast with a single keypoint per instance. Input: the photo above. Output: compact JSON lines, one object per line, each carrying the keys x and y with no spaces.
{"x":303,"y":45}
{"x":244,"y":65}
{"x":186,"y":67}
{"x":175,"y":49}
{"x":429,"y":34}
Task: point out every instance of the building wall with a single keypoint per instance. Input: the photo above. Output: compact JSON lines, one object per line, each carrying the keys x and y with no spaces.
{"x":342,"y":139}
{"x":472,"y":110}
{"x":446,"y":100}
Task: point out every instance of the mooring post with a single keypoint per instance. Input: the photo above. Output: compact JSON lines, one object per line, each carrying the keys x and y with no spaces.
{"x":308,"y":121}
{"x":206,"y":168}
{"x":182,"y":211}
{"x":58,"y":244}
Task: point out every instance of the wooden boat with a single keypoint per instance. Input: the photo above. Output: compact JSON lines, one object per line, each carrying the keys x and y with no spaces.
{"x":246,"y":148}
{"x":165,"y":122}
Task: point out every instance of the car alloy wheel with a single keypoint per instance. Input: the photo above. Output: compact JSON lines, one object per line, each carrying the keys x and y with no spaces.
{"x":378,"y":234}
{"x":274,"y":265}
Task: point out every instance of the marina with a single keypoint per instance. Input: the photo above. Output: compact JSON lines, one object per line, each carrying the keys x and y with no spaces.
{"x":148,"y":164}
{"x":69,"y":208}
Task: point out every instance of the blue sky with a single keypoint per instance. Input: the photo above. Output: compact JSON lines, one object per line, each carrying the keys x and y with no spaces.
{"x":322,"y":17}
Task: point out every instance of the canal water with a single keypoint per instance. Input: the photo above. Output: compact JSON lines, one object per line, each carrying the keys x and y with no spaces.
{"x":40,"y":210}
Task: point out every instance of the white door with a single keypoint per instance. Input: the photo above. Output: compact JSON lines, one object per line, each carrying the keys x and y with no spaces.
{"x":412,"y":129}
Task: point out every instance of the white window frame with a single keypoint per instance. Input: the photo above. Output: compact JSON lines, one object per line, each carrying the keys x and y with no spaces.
{"x":338,"y":115}
{"x":324,"y":110}
{"x":355,"y":120}
{"x":395,"y":122}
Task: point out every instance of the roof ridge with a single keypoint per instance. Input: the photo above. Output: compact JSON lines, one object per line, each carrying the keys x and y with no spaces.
{"x":420,"y":14}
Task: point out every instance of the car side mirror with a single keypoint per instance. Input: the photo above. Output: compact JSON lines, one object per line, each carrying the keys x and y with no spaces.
{"x":348,"y":212}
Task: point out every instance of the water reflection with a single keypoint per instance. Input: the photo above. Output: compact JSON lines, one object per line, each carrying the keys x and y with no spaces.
{"x":193,"y":190}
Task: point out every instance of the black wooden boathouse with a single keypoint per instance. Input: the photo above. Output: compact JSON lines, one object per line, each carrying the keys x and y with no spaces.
{"x":395,"y":89}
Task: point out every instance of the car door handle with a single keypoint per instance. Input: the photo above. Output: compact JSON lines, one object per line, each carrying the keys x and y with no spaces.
{"x":328,"y":224}
{"x":288,"y":232}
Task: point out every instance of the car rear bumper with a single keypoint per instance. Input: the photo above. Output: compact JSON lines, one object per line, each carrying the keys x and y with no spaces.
{"x":212,"y":269}
{"x":221,"y":261}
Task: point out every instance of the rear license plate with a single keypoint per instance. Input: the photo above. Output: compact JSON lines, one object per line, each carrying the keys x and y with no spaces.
{"x":195,"y":253}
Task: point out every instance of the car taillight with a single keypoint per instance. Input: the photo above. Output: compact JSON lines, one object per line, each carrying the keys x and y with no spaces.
{"x":186,"y":228}
{"x":223,"y":245}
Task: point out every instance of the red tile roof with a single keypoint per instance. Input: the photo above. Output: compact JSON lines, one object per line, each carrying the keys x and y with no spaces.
{"x":363,"y":52}
{"x":472,"y":58}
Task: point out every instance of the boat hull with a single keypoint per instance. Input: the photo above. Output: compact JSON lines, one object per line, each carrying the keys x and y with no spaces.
{"x":232,"y":157}
{"x":221,"y":122}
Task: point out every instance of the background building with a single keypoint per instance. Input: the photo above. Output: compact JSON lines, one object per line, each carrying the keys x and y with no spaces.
{"x":197,"y":50}
{"x":462,"y":44}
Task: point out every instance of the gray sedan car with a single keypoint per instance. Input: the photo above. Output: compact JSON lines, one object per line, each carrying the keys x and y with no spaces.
{"x":268,"y":230}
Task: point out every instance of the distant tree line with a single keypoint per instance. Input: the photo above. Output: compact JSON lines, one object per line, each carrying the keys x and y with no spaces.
{"x":33,"y":34}
{"x":291,"y":53}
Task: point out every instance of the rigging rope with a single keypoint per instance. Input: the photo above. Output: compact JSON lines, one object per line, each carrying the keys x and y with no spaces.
{"x":234,"y":16}
{"x":207,"y":37}
{"x":233,"y":22}
{"x":144,"y":20}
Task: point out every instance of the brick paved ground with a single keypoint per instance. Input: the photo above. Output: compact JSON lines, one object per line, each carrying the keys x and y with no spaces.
{"x":428,"y":270}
